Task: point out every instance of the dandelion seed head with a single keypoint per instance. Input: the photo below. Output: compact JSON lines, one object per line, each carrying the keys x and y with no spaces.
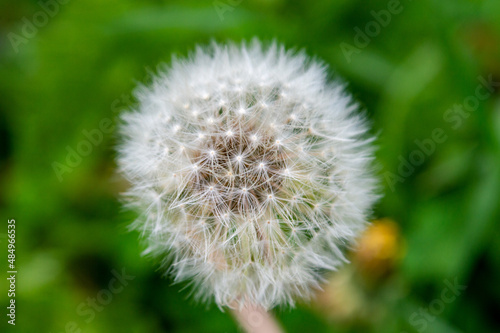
{"x":263,"y":150}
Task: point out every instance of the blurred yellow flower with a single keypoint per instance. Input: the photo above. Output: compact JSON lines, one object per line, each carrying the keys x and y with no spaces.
{"x":379,"y":249}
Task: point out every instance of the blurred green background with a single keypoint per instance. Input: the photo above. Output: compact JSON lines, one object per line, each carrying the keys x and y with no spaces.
{"x":73,"y":68}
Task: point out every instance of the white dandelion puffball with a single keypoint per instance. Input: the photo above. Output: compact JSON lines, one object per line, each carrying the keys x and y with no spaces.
{"x":251,"y":172}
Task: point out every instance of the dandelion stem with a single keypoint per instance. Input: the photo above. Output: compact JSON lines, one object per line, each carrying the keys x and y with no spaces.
{"x":255,"y":319}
